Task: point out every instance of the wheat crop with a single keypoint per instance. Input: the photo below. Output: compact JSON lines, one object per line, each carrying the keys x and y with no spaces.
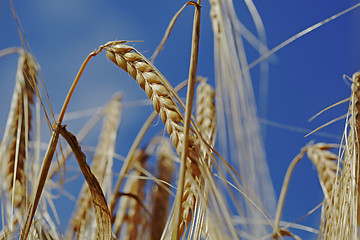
{"x":208,"y":162}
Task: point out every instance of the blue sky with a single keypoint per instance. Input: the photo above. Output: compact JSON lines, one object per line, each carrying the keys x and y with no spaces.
{"x":304,"y":77}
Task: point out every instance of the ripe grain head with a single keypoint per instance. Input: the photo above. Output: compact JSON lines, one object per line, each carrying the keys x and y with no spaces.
{"x":162,"y":96}
{"x":326,"y":167}
{"x":341,"y":221}
{"x":156,"y":88}
{"x":14,"y":146}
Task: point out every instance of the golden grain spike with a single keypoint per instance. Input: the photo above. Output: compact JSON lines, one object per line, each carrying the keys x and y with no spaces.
{"x":356,"y":128}
{"x":205,"y":110}
{"x":355,"y":88}
{"x":18,"y":127}
{"x":341,"y":220}
{"x":153,"y":83}
{"x":326,"y":166}
{"x":155,"y":86}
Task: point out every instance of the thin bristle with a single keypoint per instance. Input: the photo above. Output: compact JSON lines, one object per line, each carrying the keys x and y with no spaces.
{"x":237,"y":114}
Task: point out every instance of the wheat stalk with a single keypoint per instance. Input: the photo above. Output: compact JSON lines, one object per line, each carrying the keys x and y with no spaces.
{"x":97,"y":194}
{"x":40,"y":182}
{"x":187,"y":121}
{"x":277,"y":232}
{"x":194,"y":144}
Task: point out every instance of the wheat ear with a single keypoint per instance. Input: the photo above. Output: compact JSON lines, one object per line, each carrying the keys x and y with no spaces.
{"x":325,"y":165}
{"x":155,"y":85}
{"x":342,"y":219}
{"x":205,"y":110}
{"x":161,"y":196}
{"x":328,"y":173}
{"x":206,"y":118}
{"x":19,"y":126}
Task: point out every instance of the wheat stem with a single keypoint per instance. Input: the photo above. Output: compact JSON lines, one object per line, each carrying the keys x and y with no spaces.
{"x":283,"y":192}
{"x":189,"y":103}
{"x":168,"y":31}
{"x":41,"y":181}
{"x":77,"y":78}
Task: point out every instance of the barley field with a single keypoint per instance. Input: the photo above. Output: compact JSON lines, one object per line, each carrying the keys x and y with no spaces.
{"x":203,"y":140}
